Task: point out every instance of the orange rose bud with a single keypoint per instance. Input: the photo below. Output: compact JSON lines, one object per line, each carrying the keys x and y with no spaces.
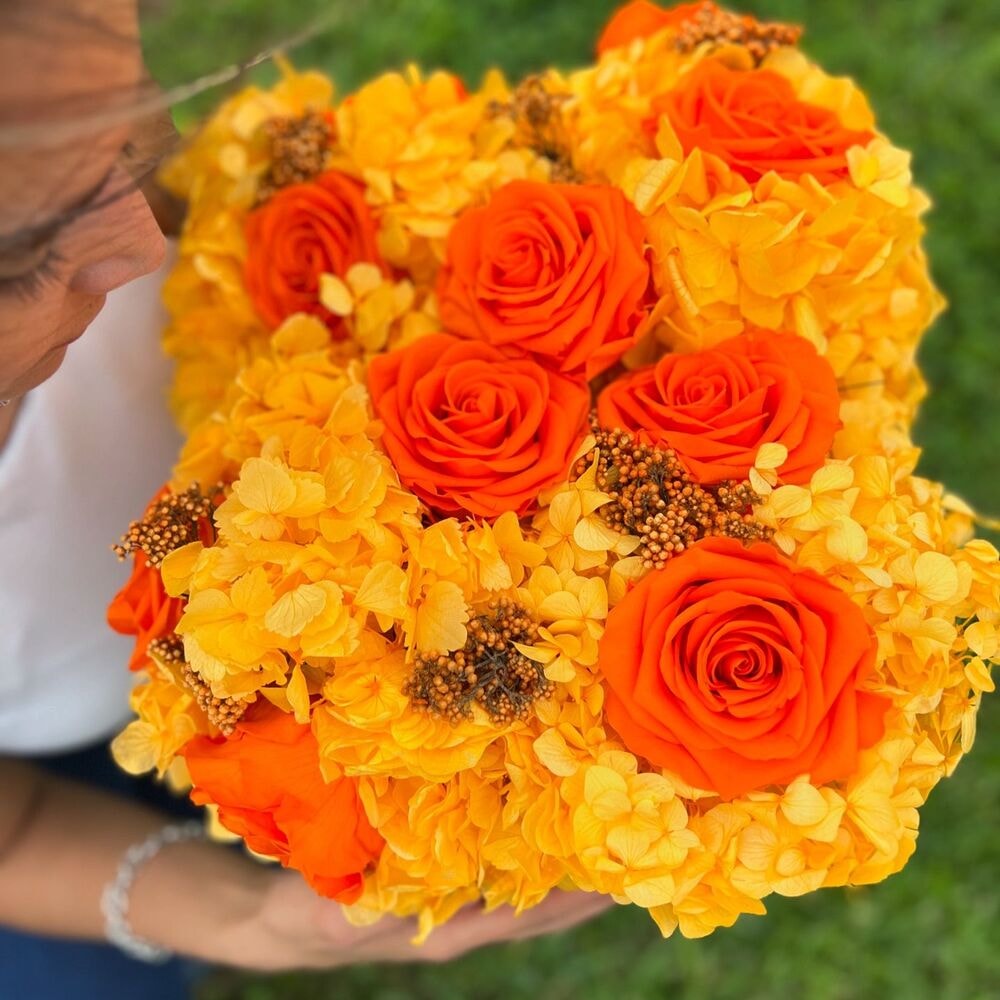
{"x":736,"y":669}
{"x":143,"y":609}
{"x":471,"y":430}
{"x":641,"y":19}
{"x":266,"y":781}
{"x":753,"y":121}
{"x":301,"y":233}
{"x":557,"y":271}
{"x":715,"y":408}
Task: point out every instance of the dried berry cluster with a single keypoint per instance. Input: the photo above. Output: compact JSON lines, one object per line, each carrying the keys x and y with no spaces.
{"x":488,"y":671}
{"x":170,"y":521}
{"x":299,"y":150}
{"x":710,"y":24}
{"x":167,"y":649}
{"x":654,"y":497}
{"x":537,"y":116}
{"x":223,"y":713}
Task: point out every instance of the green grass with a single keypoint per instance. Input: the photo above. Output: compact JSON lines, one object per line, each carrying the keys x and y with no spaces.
{"x":932,"y":69}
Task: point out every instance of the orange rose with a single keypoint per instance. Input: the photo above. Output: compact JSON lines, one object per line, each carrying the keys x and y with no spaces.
{"x":472,"y":430}
{"x":266,"y":781}
{"x":736,"y":669}
{"x":143,"y":609}
{"x":753,"y":121}
{"x":641,"y":19}
{"x":715,"y":408}
{"x":554,"y":270}
{"x":302,"y":232}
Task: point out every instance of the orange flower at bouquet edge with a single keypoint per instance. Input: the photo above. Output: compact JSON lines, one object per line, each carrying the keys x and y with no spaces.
{"x":142,"y":608}
{"x":753,"y":120}
{"x":266,"y":782}
{"x":736,"y":669}
{"x":640,"y":19}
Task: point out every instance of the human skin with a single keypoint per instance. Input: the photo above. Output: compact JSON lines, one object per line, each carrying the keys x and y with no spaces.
{"x":60,"y":843}
{"x":65,"y":57}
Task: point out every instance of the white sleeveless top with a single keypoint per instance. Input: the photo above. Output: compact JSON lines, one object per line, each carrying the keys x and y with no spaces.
{"x":87,"y":451}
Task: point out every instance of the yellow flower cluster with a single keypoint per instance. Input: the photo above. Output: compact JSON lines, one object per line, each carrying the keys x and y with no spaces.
{"x":313,"y":520}
{"x":327,"y":579}
{"x":214,"y":330}
{"x":167,"y":718}
{"x":426,"y":149}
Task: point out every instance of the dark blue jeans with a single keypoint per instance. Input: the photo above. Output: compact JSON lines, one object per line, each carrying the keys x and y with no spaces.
{"x":38,"y":968}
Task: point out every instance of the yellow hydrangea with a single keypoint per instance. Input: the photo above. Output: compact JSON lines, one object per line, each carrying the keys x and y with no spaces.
{"x":167,"y":718}
{"x":426,"y":149}
{"x":214,"y":329}
{"x":368,"y":726}
{"x":838,"y":265}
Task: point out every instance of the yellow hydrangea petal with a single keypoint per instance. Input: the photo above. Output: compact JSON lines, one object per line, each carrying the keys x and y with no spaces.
{"x":441,"y":619}
{"x":552,"y":751}
{"x":803,"y":804}
{"x":293,"y":611}
{"x":298,"y":695}
{"x":846,"y":540}
{"x":656,"y":891}
{"x":936,"y":576}
{"x":383,"y":591}
{"x":264,"y":486}
{"x":983,"y":639}
{"x":136,"y":748}
{"x":771,"y":456}
{"x":335,"y":295}
{"x":178,"y":566}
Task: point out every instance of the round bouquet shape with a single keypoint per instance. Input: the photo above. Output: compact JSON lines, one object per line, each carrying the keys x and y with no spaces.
{"x":547,"y":516}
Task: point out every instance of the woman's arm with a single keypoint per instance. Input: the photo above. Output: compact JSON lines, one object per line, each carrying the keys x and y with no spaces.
{"x":61,"y":843}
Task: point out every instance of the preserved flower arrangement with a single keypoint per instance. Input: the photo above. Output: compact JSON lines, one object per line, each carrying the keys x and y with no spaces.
{"x":547,"y":516}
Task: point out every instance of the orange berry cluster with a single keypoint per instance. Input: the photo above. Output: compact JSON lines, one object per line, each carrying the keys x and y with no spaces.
{"x":489,"y":671}
{"x":168,"y":649}
{"x":721,"y":27}
{"x":537,"y":116}
{"x":170,"y":522}
{"x":299,"y":150}
{"x":223,"y":713}
{"x":653,"y":496}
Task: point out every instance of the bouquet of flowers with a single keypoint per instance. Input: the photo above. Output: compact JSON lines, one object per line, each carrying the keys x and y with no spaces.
{"x":547,"y":516}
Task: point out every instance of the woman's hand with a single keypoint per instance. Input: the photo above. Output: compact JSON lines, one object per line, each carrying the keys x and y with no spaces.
{"x":60,"y":844}
{"x":294,"y":928}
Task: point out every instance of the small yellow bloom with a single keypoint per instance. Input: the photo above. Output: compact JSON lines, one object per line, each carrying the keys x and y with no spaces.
{"x":167,"y":718}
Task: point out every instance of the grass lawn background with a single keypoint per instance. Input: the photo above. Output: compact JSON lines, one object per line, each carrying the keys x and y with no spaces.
{"x":932,"y":70}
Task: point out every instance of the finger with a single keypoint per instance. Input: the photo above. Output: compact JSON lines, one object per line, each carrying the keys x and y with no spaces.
{"x":560,"y":911}
{"x":471,"y":928}
{"x":388,"y":930}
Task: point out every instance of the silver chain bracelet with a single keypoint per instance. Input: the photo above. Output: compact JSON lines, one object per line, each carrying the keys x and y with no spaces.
{"x":115,"y":897}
